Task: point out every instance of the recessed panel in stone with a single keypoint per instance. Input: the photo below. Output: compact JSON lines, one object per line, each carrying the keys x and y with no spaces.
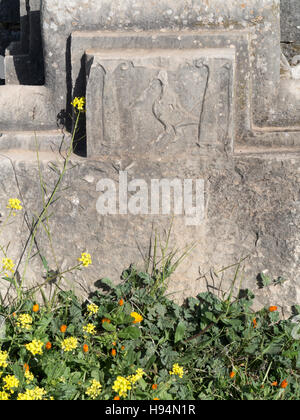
{"x":175,"y":101}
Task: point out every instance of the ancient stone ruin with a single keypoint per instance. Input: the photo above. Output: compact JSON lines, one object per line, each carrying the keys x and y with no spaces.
{"x":175,"y":89}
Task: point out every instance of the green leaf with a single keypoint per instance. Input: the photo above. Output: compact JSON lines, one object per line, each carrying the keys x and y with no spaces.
{"x":10,"y":280}
{"x":180,"y":331}
{"x":45,"y":264}
{"x":266,"y":281}
{"x":108,"y":283}
{"x":130,"y":333}
{"x":298,"y":361}
{"x":108,"y":326}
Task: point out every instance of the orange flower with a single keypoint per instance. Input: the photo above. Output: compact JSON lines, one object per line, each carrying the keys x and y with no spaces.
{"x":114,"y":343}
{"x":105,"y":320}
{"x":63,"y":328}
{"x":36,"y":308}
{"x":48,"y":345}
{"x":232,"y":375}
{"x":275,"y":383}
{"x":26,"y":367}
{"x":114,"y":352}
{"x":254,"y":323}
{"x":155,"y":399}
{"x":284,"y":384}
{"x":137,"y":317}
{"x":116,"y":397}
{"x":121,"y":302}
{"x":273,"y":308}
{"x":85,"y":348}
{"x":154,"y":386}
{"x":123,"y":348}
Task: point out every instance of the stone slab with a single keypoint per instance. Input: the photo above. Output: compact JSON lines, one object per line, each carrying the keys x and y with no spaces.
{"x":33,"y":141}
{"x":24,"y":108}
{"x":166,"y":101}
{"x":251,"y":209}
{"x":261,"y":17}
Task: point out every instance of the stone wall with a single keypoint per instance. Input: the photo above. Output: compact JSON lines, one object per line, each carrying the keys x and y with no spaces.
{"x":186,"y":90}
{"x":9,"y":28}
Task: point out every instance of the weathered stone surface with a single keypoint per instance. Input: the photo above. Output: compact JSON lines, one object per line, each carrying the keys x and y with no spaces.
{"x":259,"y":18}
{"x":152,"y":41}
{"x":166,"y":101}
{"x":32,"y":108}
{"x":251,"y":209}
{"x":188,"y":89}
{"x":256,"y":21}
{"x":290,"y":20}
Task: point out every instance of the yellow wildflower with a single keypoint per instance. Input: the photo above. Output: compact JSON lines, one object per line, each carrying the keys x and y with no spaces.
{"x":10,"y":382}
{"x":137,"y":317}
{"x":85,"y":259}
{"x":7,"y":265}
{"x":78,"y":103}
{"x":14,"y":204}
{"x":121,"y":386}
{"x":35,"y":347}
{"x":69,"y":344}
{"x":92,"y":309}
{"x":35,"y":394}
{"x":4,"y":396}
{"x":3,"y":358}
{"x":90,"y":328}
{"x":138,"y":375}
{"x":94,"y":390}
{"x":29,"y":376}
{"x":24,"y":321}
{"x":177,"y":370}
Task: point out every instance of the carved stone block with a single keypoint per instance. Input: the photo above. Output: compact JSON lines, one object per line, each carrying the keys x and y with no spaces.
{"x":162,"y":100}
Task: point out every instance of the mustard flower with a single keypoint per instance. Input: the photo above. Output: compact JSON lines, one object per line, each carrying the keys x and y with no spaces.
{"x":92,"y":309}
{"x":3,"y":358}
{"x":14,"y":204}
{"x":177,"y":370}
{"x":69,"y":344}
{"x":35,"y":347}
{"x":78,"y":103}
{"x":121,"y":386}
{"x":4,"y":396}
{"x":29,"y":376}
{"x":10,"y":382}
{"x":7,"y":265}
{"x":90,"y":329}
{"x":138,"y":375}
{"x":35,"y":394}
{"x":85,"y":259}
{"x":24,"y":321}
{"x":94,"y":390}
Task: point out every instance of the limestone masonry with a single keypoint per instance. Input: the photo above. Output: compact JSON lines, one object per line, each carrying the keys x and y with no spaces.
{"x":188,"y":89}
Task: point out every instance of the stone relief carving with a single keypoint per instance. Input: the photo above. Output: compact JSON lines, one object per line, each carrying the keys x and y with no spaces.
{"x":159,"y":100}
{"x":290,"y":71}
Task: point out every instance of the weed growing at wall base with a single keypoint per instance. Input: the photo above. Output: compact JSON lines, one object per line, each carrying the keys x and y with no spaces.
{"x":148,"y":348}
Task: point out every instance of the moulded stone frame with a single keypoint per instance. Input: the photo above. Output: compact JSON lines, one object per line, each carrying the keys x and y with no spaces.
{"x":211,"y":119}
{"x":260,"y":19}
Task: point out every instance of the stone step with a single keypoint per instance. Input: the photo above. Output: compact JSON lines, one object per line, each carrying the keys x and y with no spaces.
{"x":25,"y":108}
{"x":43,"y":141}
